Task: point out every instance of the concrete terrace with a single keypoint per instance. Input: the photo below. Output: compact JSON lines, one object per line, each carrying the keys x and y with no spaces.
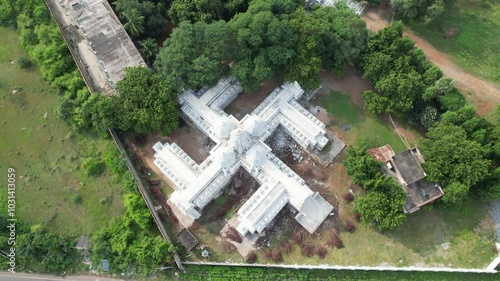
{"x":99,"y":43}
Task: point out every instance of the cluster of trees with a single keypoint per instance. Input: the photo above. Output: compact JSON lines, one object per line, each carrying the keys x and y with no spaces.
{"x":382,"y":205}
{"x":423,"y":11}
{"x":270,"y":38}
{"x":206,"y":11}
{"x":463,"y":152}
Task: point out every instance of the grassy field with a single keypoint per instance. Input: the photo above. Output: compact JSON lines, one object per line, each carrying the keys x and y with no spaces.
{"x":47,"y":155}
{"x":476,"y":47}
{"x":364,"y":128}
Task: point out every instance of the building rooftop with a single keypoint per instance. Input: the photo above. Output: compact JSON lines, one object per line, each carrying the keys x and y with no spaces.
{"x":408,"y":166}
{"x":406,"y":169}
{"x":242,"y":144}
{"x":99,"y":41}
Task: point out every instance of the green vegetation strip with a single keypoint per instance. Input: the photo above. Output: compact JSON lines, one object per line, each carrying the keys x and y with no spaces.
{"x":210,"y":272}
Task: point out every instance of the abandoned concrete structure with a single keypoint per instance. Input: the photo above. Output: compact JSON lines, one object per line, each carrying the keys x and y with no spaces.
{"x":241,"y":144}
{"x":99,"y":41}
{"x":407,"y":170}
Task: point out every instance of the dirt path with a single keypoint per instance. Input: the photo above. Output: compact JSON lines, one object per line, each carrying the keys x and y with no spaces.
{"x":486,"y":94}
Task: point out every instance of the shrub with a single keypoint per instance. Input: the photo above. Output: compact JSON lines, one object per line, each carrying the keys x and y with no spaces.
{"x":233,"y":234}
{"x":276,"y":255}
{"x":349,"y":226}
{"x":321,"y":251}
{"x":357,"y":217}
{"x":92,"y":167}
{"x":287,"y":247}
{"x":348,"y":197}
{"x":76,"y":198}
{"x":299,"y":236}
{"x":335,"y":241}
{"x":308,"y":250}
{"x":23,"y":62}
{"x":251,"y":257}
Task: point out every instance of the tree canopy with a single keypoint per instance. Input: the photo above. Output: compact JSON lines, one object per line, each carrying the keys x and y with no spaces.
{"x":264,"y":41}
{"x":330,"y":37}
{"x":206,"y":11}
{"x":146,"y":103}
{"x":382,"y":206}
{"x":425,"y":11}
{"x":196,"y":54}
{"x":405,"y":81}
{"x":360,"y":166}
{"x":140,"y":17}
{"x":452,"y":158}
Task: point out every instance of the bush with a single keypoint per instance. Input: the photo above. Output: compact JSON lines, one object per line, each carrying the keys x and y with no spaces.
{"x":92,"y":167}
{"x":23,"y":62}
{"x":233,"y":234}
{"x":321,"y":251}
{"x":453,"y":100}
{"x":276,"y":255}
{"x":299,"y":236}
{"x":251,"y":257}
{"x":287,"y":247}
{"x":357,"y":217}
{"x":76,"y":198}
{"x":335,"y":241}
{"x":349,"y":226}
{"x":348,"y":197}
{"x":308,"y":250}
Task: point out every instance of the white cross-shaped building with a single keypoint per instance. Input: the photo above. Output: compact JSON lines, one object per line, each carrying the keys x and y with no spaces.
{"x":242,"y":144}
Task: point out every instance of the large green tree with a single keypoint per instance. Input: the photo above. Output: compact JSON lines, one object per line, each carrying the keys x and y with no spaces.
{"x":425,"y":11}
{"x":328,"y":37}
{"x":130,"y":11}
{"x":452,"y":158}
{"x":401,"y":73}
{"x":360,"y":166}
{"x":145,"y":104}
{"x":205,"y":10}
{"x":382,"y":206}
{"x":264,"y":41}
{"x":196,"y":54}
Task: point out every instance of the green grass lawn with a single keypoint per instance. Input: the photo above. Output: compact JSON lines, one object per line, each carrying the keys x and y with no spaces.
{"x":477,"y":46}
{"x":47,"y":155}
{"x":365,"y":128}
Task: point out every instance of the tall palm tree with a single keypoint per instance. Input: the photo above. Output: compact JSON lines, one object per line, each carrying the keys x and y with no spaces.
{"x":148,"y":49}
{"x":135,"y":22}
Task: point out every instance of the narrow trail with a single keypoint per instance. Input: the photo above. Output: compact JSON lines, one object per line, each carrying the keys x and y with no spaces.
{"x":487,"y":92}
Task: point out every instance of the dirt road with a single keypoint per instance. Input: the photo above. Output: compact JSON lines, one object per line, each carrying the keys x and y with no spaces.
{"x":484,"y":94}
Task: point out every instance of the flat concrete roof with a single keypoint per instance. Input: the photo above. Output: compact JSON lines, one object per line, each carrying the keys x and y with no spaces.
{"x":408,"y":166}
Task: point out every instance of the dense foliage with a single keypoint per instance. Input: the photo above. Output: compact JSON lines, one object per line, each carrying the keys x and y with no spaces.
{"x":196,"y":54}
{"x":205,"y":10}
{"x":425,"y":11}
{"x":401,"y":73}
{"x":329,"y":37}
{"x":382,"y":205}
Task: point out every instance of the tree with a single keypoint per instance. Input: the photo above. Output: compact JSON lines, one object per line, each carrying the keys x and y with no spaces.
{"x":401,"y":73}
{"x":153,"y":22}
{"x":148,"y":49}
{"x":264,"y":42}
{"x":134,"y":22}
{"x":205,"y":10}
{"x":360,"y":166}
{"x":425,"y":11}
{"x":330,"y":37}
{"x":196,"y":54}
{"x":382,"y":209}
{"x":146,"y":103}
{"x":452,"y":158}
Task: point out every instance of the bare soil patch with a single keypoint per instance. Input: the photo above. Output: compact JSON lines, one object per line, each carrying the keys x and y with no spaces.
{"x":245,"y":103}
